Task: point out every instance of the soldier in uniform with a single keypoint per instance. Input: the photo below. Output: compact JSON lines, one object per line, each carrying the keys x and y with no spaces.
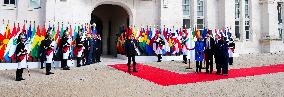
{"x":21,"y":53}
{"x":42,"y":53}
{"x":185,"y":49}
{"x":131,"y":52}
{"x":86,"y":50}
{"x":65,"y":45}
{"x":160,"y":43}
{"x":231,"y":51}
{"x":80,"y":48}
{"x":49,"y":46}
{"x":209,"y":51}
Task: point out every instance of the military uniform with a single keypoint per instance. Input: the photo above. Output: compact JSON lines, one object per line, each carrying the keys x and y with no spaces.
{"x":160,"y":43}
{"x":42,"y":53}
{"x":80,"y":48}
{"x":21,"y":53}
{"x":65,"y":50}
{"x":131,"y":53}
{"x":185,"y":49}
{"x":49,"y":46}
{"x":231,"y":51}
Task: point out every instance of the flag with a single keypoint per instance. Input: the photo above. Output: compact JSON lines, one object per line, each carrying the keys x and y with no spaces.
{"x":29,"y":32}
{"x":204,"y":32}
{"x":5,"y":42}
{"x":62,"y":30}
{"x":10,"y":43}
{"x":19,"y":28}
{"x":94,"y":30}
{"x":43,"y":31}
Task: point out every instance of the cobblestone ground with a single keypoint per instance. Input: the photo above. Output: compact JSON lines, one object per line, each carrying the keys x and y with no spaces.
{"x":102,"y":81}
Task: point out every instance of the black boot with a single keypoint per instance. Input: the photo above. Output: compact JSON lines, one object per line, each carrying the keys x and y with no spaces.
{"x":159,"y":58}
{"x":78,"y":62}
{"x":41,"y":64}
{"x":18,"y":75}
{"x":134,"y":67}
{"x":128,"y":68}
{"x":21,"y":74}
{"x":48,"y":68}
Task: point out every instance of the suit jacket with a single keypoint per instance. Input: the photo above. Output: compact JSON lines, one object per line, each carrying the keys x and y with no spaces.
{"x":130,"y":48}
{"x":209,"y":51}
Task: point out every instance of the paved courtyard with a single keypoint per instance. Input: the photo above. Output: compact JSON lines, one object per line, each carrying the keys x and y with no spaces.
{"x":103,"y":81}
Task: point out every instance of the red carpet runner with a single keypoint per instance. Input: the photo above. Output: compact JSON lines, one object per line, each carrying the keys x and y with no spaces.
{"x":167,"y":78}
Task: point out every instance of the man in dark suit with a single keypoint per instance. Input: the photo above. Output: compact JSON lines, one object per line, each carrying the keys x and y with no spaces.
{"x":98,"y":46}
{"x":209,"y":46}
{"x":224,"y":56}
{"x":131,"y":52}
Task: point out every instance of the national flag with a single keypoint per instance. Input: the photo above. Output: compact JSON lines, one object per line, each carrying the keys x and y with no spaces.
{"x":5,"y":41}
{"x":62,"y":29}
{"x":204,"y":32}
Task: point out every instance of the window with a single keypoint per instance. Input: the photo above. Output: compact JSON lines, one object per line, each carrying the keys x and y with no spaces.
{"x":237,"y":29}
{"x":10,"y":2}
{"x":280,"y":19}
{"x":200,"y":9}
{"x":185,"y":7}
{"x":237,"y":9}
{"x":186,"y":13}
{"x":237,"y":19}
{"x":200,"y":23}
{"x":280,"y":30}
{"x":247,"y":19}
{"x":186,"y":22}
{"x":279,"y":9}
{"x":34,"y":4}
{"x":246,"y":9}
{"x":247,"y":29}
{"x":165,"y":3}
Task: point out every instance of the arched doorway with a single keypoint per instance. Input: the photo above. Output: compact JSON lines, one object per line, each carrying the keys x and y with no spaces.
{"x":108,"y":19}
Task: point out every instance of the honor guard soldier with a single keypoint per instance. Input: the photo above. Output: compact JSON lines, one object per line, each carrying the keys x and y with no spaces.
{"x":49,"y":46}
{"x":80,"y":48}
{"x":21,"y":53}
{"x":160,"y":43}
{"x":65,"y":50}
{"x":86,"y":50}
{"x":185,"y":49}
{"x":42,"y":53}
{"x":231,"y":51}
{"x":131,"y":52}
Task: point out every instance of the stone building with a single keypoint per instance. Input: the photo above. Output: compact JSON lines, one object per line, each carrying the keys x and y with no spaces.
{"x":256,"y":24}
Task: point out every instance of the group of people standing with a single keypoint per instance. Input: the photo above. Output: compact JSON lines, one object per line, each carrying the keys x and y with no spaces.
{"x":221,"y":49}
{"x":206,"y":49}
{"x":87,"y":50}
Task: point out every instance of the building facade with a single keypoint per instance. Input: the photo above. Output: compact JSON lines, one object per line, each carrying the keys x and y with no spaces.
{"x":256,"y":24}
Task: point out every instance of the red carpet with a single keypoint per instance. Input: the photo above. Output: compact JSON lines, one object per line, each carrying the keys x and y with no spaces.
{"x":166,"y":78}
